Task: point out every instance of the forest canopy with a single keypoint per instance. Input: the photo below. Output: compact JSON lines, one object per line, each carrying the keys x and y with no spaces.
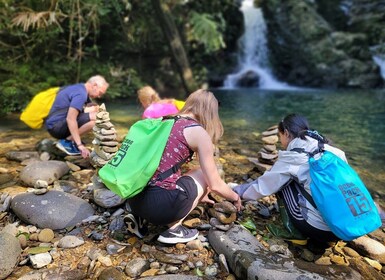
{"x":57,"y":42}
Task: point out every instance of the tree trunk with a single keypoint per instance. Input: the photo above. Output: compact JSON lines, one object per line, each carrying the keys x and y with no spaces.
{"x":174,"y":41}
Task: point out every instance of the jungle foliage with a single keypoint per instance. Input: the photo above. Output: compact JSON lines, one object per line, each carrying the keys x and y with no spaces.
{"x":57,"y":42}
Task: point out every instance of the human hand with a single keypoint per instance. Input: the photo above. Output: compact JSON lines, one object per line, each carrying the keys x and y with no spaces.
{"x":84,"y":151}
{"x":206,"y":199}
{"x":238,"y":204}
{"x":92,"y":108}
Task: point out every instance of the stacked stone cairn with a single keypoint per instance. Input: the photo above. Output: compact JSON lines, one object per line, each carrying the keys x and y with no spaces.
{"x":105,"y":142}
{"x":268,"y":154}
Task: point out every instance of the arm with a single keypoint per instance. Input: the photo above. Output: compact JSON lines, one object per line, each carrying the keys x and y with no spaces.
{"x":269,"y":183}
{"x":200,"y":142}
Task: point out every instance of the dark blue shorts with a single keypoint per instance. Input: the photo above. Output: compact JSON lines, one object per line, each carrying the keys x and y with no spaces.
{"x":162,"y":207}
{"x":60,"y":129}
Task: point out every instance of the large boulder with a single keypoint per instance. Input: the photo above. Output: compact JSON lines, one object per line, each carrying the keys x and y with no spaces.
{"x":48,"y":171}
{"x":10,"y":252}
{"x":54,"y":209}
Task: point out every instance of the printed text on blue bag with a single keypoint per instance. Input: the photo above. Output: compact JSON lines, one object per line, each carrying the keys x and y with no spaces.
{"x":356,"y":200}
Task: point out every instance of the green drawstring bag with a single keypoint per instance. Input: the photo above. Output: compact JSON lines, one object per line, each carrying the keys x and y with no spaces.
{"x":137,"y":159}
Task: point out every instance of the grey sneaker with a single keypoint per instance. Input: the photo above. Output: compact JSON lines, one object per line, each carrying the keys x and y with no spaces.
{"x":136,"y":225}
{"x":180,"y":234}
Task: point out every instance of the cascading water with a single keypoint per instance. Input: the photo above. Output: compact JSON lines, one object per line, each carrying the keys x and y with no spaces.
{"x":380,"y":61}
{"x":378,"y":55}
{"x":253,"y":64}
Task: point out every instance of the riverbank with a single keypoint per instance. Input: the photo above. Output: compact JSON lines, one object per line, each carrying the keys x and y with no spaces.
{"x":105,"y":248}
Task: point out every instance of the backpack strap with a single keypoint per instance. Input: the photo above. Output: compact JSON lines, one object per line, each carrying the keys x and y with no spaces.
{"x":172,"y":170}
{"x":320,"y":149}
{"x":176,"y":167}
{"x":302,"y":190}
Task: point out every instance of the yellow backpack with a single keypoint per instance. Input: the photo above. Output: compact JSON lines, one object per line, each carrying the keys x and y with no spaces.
{"x":38,"y":108}
{"x":178,"y":104}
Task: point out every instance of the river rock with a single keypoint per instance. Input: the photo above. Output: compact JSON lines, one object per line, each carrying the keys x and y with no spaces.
{"x":369,"y":247}
{"x":136,"y":267}
{"x":40,"y":260}
{"x":107,"y":198}
{"x":54,"y":209}
{"x":48,"y":171}
{"x":10,"y":245}
{"x":21,"y":155}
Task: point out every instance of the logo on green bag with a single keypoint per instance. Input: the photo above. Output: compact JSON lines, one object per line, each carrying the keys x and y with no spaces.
{"x":117,"y":159}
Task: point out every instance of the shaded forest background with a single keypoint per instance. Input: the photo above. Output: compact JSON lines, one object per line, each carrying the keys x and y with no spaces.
{"x":55,"y":42}
{"x":177,"y":46}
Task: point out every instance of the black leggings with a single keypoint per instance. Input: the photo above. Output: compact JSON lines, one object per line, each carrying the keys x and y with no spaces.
{"x":290,"y":197}
{"x":162,"y":207}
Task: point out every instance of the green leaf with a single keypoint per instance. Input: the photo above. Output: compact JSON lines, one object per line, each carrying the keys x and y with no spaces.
{"x":205,"y":30}
{"x":38,"y":250}
{"x":198,"y":272}
{"x":249,"y":224}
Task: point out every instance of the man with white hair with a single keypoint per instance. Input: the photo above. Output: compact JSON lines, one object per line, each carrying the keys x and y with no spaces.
{"x":73,"y":114}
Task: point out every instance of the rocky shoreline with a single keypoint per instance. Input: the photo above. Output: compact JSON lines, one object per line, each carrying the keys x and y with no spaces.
{"x":58,"y":221}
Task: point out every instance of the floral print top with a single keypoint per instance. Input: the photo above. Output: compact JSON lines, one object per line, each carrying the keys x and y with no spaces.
{"x":175,"y":151}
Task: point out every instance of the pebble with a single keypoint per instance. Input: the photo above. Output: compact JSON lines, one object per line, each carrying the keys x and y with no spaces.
{"x":46,"y":235}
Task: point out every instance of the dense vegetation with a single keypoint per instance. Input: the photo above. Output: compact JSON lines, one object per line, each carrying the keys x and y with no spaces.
{"x":179,"y":45}
{"x":56,"y":42}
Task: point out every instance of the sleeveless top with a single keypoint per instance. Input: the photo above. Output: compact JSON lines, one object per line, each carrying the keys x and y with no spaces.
{"x":175,"y":151}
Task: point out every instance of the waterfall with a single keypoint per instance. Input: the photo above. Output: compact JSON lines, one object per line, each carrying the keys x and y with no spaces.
{"x":380,"y":61}
{"x":253,"y":62}
{"x":378,"y":55}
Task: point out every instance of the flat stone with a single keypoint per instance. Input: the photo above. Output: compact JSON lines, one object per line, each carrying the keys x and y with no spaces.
{"x":262,"y":167}
{"x":54,"y":209}
{"x":21,"y":155}
{"x":270,"y":148}
{"x":270,"y":140}
{"x":270,"y":132}
{"x":48,"y":171}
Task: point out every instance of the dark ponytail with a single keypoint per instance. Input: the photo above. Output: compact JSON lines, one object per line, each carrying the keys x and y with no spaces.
{"x":298,"y":126}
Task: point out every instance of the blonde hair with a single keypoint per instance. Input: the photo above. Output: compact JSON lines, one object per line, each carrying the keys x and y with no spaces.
{"x":99,"y":80}
{"x":147,"y":95}
{"x":204,"y":106}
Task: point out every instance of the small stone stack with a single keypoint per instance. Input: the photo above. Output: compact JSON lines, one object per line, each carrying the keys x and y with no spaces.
{"x":105,"y":143}
{"x":268,"y":154}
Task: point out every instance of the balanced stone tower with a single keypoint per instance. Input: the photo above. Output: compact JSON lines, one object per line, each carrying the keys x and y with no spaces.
{"x":105,"y":142}
{"x":268,"y":154}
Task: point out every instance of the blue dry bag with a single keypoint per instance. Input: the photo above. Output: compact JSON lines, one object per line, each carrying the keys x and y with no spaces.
{"x":341,"y":197}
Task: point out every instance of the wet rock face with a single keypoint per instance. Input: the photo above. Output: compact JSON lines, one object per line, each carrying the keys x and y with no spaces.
{"x":304,"y":52}
{"x":105,"y":141}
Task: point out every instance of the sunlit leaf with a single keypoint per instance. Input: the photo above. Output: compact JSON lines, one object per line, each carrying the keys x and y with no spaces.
{"x":198,"y":272}
{"x":38,"y":250}
{"x":249,"y":224}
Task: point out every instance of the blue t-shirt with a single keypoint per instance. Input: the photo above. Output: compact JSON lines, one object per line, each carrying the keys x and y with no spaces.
{"x":74,"y":96}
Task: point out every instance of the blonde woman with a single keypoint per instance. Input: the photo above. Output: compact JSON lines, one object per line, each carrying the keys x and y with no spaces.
{"x":154,"y":106}
{"x":169,"y":201}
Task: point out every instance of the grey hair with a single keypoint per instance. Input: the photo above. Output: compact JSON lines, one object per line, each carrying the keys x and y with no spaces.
{"x":99,"y":80}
